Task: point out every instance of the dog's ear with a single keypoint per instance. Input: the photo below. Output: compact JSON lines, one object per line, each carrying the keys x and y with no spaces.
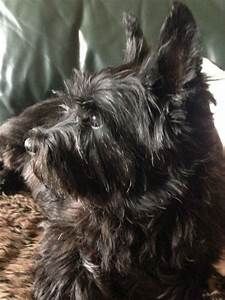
{"x":136,"y":45}
{"x":178,"y":58}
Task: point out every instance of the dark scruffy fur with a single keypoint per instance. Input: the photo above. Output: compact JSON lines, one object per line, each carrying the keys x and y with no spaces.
{"x":129,"y":171}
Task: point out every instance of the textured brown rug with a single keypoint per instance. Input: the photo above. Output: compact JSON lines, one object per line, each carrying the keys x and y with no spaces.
{"x":19,"y":237}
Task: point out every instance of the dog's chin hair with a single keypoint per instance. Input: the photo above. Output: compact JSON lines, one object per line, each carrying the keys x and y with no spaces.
{"x":128,"y":170}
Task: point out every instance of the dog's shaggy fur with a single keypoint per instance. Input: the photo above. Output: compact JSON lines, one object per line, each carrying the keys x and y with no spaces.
{"x":129,"y":171}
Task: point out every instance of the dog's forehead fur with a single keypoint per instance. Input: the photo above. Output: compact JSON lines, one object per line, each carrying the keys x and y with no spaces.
{"x":110,"y":87}
{"x":117,"y":96}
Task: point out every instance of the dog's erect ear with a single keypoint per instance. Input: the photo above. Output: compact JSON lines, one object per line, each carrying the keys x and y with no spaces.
{"x":178,"y":58}
{"x":136,"y":46}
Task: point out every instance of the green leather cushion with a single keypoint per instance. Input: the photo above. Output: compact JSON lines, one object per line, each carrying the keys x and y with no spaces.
{"x":39,"y":45}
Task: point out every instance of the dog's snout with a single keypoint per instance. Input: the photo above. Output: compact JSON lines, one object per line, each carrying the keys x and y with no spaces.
{"x":30,"y":146}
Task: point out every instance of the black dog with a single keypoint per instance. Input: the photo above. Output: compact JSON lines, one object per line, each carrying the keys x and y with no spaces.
{"x":129,"y":171}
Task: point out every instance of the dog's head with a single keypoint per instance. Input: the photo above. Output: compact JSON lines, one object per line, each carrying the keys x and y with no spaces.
{"x":124,"y":129}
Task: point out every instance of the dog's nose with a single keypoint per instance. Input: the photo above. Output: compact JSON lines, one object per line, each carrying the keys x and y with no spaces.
{"x":30,"y":146}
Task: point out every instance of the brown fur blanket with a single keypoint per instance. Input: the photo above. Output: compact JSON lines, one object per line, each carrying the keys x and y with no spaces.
{"x":19,"y":236}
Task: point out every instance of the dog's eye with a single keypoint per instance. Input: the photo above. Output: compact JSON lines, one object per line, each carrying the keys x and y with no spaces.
{"x":95,"y":121}
{"x":91,"y":119}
